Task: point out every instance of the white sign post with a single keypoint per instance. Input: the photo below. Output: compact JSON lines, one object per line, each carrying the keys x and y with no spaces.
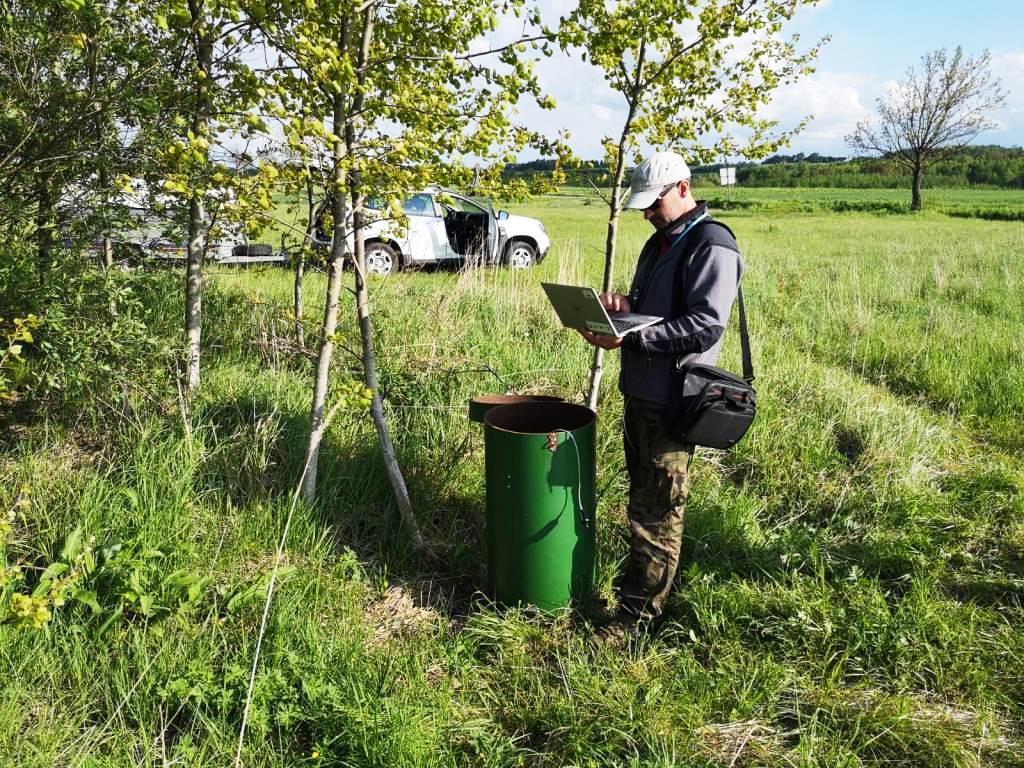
{"x":727,"y":178}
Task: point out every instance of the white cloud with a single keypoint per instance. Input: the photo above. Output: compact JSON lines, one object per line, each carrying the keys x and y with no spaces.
{"x":585,"y":104}
{"x":591,"y":110}
{"x":833,"y":99}
{"x":836,"y":103}
{"x":1009,"y":67}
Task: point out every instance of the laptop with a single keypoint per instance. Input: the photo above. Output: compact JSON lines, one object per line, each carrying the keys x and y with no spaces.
{"x":580,"y":307}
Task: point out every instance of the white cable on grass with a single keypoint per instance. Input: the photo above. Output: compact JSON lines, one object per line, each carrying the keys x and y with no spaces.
{"x":270,"y":589}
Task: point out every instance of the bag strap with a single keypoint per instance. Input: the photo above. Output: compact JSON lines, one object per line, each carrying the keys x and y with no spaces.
{"x":680,"y":285}
{"x":748,"y":363}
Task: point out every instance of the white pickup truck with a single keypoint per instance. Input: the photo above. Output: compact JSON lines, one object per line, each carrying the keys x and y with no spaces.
{"x":446,"y":227}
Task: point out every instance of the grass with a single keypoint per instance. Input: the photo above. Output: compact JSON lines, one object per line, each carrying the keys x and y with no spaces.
{"x":994,"y":204}
{"x":853,"y":574}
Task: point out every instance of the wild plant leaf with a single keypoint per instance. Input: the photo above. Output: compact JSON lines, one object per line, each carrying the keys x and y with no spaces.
{"x":72,"y":545}
{"x":256,"y":589}
{"x":52,"y":571}
{"x":109,"y":621}
{"x":87,"y":597}
{"x":133,"y":497}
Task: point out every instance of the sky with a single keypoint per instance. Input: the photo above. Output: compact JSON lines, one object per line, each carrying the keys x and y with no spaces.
{"x":873,"y":43}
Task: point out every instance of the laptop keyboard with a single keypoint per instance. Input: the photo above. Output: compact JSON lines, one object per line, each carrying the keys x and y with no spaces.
{"x":623,"y":326}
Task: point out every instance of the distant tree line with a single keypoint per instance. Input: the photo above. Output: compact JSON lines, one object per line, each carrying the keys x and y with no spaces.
{"x":978,"y":166}
{"x":800,"y":157}
{"x":981,"y":166}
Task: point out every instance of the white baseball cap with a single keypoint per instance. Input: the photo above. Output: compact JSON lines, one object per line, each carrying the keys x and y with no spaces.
{"x":651,"y":177}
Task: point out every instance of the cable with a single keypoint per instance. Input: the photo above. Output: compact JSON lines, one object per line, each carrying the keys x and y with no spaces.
{"x":579,"y":478}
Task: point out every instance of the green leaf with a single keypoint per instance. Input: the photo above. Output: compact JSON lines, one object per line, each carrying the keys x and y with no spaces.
{"x":72,"y":545}
{"x":109,"y":621}
{"x":52,"y":571}
{"x":87,"y":597}
{"x":133,"y":498}
{"x":257,"y":589}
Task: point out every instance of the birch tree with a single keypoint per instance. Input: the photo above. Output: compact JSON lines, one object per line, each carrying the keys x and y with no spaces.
{"x":394,"y":92}
{"x":207,"y":92}
{"x":690,"y":75}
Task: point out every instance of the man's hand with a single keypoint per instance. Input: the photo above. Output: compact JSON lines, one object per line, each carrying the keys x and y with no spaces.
{"x":613,"y":302}
{"x":600,"y":340}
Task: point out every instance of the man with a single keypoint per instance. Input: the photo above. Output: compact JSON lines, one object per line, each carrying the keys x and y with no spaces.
{"x":688,"y":273}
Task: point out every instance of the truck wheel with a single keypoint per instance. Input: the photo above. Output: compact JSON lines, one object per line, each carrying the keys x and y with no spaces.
{"x":381,"y":259}
{"x":254,"y":250}
{"x":521,"y":255}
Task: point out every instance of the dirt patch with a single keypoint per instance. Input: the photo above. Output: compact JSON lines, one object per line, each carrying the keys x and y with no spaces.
{"x":849,"y":444}
{"x":75,"y":453}
{"x":746,"y":742}
{"x":398,"y":614}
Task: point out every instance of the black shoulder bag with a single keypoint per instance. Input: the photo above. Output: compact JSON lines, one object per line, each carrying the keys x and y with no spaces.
{"x":712,"y":406}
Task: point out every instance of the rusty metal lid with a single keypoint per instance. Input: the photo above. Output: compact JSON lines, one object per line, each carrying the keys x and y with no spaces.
{"x":481,"y":404}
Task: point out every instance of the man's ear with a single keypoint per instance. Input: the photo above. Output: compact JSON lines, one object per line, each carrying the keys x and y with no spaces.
{"x":684,"y":187}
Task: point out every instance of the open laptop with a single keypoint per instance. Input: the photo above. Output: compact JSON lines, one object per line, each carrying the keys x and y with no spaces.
{"x":580,"y":307}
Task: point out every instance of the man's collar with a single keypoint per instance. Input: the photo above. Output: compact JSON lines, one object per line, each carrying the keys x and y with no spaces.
{"x":677,"y":226}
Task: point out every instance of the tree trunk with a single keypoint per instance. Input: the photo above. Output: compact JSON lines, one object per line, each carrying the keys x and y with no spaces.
{"x":380,"y":422}
{"x":334,"y":274}
{"x":614,"y":209}
{"x":107,"y":245}
{"x":194,"y":291}
{"x":107,"y":252}
{"x":300,"y":330}
{"x":300,"y":263}
{"x":915,"y":200}
{"x":597,"y":369}
{"x":196,"y":211}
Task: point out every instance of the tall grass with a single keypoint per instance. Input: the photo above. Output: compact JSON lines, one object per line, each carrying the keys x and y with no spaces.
{"x":854,"y":570}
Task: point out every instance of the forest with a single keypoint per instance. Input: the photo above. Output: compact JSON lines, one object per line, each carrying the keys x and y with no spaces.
{"x":988,"y":166}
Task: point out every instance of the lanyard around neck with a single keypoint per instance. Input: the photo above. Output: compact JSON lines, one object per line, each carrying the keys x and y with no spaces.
{"x":689,"y":226}
{"x":650,"y":268}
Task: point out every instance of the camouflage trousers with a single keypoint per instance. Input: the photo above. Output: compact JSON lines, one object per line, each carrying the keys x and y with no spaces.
{"x":658,"y":466}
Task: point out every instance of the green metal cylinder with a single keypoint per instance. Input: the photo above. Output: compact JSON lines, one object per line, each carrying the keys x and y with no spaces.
{"x":540,"y":503}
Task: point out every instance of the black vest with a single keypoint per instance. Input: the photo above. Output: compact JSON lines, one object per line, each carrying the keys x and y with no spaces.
{"x":660,"y":288}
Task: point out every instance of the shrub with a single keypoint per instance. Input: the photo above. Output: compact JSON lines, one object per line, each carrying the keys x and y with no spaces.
{"x":95,"y":333}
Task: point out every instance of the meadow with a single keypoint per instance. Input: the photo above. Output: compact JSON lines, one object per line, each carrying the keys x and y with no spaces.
{"x":852,"y":592}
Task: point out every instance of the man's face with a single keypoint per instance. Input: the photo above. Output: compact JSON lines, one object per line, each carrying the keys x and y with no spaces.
{"x":669,"y":206}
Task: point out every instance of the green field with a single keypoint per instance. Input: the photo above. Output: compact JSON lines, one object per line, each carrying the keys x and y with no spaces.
{"x":992,"y":204}
{"x":852,"y":592}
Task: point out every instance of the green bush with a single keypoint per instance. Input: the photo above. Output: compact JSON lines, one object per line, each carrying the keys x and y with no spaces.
{"x":99,"y":334}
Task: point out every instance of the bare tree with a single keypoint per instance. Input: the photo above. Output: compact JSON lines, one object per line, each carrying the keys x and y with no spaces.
{"x":932,"y":114}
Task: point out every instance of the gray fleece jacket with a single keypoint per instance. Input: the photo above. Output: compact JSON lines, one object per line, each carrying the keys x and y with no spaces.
{"x":694,"y":321}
